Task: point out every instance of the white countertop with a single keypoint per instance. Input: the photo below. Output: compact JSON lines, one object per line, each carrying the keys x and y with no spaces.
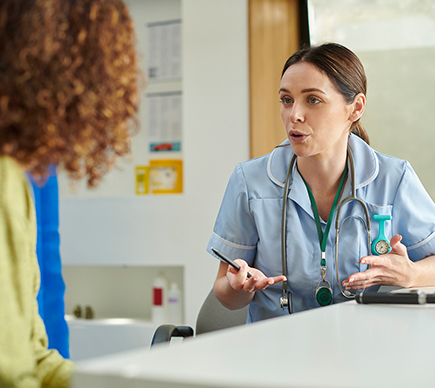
{"x":343,"y":345}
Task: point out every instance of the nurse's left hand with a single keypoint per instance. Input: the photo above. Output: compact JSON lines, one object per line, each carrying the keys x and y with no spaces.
{"x":392,"y":269}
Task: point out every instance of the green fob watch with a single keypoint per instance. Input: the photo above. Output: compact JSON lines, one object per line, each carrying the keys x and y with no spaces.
{"x":381,"y":245}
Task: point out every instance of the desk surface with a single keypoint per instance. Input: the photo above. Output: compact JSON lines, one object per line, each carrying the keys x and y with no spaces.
{"x":344,"y":345}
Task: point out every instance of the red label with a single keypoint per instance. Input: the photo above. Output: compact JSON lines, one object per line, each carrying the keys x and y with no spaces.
{"x":157,"y":296}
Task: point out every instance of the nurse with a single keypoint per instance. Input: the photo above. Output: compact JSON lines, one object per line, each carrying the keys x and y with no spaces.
{"x":323,"y":97}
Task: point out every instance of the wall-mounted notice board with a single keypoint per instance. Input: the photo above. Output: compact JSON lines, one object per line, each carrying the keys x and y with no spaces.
{"x":164,"y":50}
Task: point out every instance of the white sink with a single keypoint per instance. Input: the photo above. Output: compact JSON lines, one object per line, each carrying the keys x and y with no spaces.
{"x":90,"y":338}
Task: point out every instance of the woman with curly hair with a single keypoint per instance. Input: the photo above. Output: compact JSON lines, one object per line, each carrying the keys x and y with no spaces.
{"x":68,"y":98}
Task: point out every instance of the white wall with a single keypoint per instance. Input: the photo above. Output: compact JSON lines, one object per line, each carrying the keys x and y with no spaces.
{"x":106,"y":228}
{"x":216,"y":125}
{"x":395,"y":41}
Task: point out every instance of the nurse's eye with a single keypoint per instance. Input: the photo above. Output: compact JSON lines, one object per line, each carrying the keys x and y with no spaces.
{"x":286,"y":100}
{"x":313,"y":100}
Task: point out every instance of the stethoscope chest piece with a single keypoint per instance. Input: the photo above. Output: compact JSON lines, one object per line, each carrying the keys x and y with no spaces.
{"x":286,"y":302}
{"x":283,"y":301}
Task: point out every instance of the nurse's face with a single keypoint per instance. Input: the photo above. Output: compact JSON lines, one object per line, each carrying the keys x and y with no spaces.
{"x":316,"y":116}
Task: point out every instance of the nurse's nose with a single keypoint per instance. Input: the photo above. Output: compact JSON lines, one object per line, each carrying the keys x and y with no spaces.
{"x":296,"y":114}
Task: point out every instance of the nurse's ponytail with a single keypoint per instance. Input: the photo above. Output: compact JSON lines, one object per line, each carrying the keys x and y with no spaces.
{"x":359,"y":130}
{"x":343,"y":68}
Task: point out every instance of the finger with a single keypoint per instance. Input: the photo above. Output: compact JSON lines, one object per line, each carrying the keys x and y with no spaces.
{"x":358,"y":278}
{"x":368,"y":278}
{"x":243,"y":271}
{"x":363,"y":285}
{"x":350,"y":279}
{"x":380,"y":260}
{"x":395,"y":239}
{"x":237,"y":278}
{"x":240,"y":274}
{"x":278,"y":279}
{"x":263,"y":283}
{"x":253,"y":284}
{"x":249,"y":283}
{"x":397,"y":246}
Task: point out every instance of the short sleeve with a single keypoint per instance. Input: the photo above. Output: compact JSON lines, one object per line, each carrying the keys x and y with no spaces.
{"x":235,"y":232}
{"x":414,"y":216}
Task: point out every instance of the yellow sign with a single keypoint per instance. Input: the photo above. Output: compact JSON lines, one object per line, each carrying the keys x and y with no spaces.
{"x":166,"y":176}
{"x":142,"y":180}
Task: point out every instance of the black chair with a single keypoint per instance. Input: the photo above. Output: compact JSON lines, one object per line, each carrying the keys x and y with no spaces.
{"x":212,"y":316}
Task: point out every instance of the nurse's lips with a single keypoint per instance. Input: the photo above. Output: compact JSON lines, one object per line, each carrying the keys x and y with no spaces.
{"x":297,"y":136}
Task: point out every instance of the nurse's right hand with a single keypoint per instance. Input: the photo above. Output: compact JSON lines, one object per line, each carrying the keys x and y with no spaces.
{"x":239,"y":280}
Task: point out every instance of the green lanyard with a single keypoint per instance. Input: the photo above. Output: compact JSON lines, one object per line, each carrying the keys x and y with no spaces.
{"x":323,"y":237}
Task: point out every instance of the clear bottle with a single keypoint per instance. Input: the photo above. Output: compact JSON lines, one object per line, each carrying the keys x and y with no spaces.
{"x":175,"y":305}
{"x":159,"y":296}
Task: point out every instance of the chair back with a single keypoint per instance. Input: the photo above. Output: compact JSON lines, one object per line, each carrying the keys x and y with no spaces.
{"x":213,"y":316}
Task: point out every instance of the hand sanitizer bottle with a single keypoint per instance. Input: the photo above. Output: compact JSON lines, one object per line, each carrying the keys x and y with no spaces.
{"x":174,"y":305}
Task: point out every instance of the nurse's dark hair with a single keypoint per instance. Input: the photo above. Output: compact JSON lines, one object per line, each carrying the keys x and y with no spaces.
{"x":343,"y":68}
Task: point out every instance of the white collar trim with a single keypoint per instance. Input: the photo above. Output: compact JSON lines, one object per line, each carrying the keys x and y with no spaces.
{"x":366,"y":154}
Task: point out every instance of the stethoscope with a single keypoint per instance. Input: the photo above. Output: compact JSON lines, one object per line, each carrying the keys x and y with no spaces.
{"x":379,"y":246}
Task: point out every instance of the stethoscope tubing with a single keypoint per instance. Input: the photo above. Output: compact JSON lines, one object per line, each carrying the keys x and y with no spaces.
{"x":286,"y":294}
{"x":351,"y":198}
{"x":283,"y":230}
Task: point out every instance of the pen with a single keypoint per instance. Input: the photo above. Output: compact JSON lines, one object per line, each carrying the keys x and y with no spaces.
{"x":228,"y":260}
{"x":395,"y":298}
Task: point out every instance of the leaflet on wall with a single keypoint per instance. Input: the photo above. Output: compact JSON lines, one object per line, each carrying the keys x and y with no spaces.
{"x":166,"y":176}
{"x":142,"y":180}
{"x":164,"y":50}
{"x":164,"y":121}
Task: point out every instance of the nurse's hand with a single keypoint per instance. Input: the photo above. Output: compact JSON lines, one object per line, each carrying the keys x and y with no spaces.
{"x":392,"y":269}
{"x":239,"y":280}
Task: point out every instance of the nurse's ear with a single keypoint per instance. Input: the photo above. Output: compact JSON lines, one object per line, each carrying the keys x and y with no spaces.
{"x":358,"y":107}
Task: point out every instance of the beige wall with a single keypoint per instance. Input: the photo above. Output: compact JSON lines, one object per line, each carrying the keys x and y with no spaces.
{"x":400,"y":110}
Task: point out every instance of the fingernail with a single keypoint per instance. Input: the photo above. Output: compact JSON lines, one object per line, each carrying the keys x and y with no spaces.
{"x":363,"y":261}
{"x":351,"y":280}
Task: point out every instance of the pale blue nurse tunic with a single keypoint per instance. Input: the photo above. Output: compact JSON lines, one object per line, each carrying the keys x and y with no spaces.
{"x":248,"y":225}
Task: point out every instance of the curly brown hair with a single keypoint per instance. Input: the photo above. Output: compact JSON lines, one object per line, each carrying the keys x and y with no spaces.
{"x":68,"y":85}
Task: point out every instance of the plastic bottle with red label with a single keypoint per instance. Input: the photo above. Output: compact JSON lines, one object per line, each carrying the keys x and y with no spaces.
{"x":159,"y":308}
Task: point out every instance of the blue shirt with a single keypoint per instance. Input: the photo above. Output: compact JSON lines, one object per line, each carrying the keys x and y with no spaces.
{"x":248,"y":225}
